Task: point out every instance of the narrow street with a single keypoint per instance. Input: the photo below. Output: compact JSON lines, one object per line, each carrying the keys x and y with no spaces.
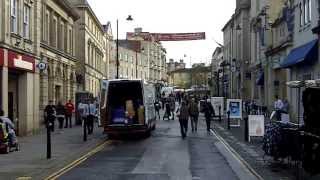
{"x":165,"y":155}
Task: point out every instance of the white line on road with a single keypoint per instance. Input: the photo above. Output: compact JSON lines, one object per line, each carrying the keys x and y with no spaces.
{"x":237,"y":163}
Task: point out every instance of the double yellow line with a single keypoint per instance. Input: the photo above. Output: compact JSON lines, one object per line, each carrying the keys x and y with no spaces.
{"x":77,"y":161}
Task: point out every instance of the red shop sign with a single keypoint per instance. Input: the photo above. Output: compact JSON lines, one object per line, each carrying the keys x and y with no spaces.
{"x":1,"y":57}
{"x":23,"y":62}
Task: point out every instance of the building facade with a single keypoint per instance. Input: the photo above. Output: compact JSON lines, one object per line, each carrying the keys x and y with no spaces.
{"x":133,"y":62}
{"x":57,"y":80}
{"x":155,"y":53}
{"x":19,"y":55}
{"x":236,"y":82}
{"x":172,"y":65}
{"x":217,"y":59}
{"x":90,"y":48}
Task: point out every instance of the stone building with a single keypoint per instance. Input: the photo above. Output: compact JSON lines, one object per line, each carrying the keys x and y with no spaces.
{"x":58,"y":80}
{"x":90,"y":48}
{"x":280,"y":41}
{"x":217,"y":59}
{"x":236,"y":82}
{"x":155,"y":53}
{"x":303,"y":59}
{"x":172,"y":65}
{"x":19,"y":50}
{"x":110,"y":53}
{"x":133,"y":62}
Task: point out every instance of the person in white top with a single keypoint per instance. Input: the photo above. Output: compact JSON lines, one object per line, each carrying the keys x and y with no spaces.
{"x":278,"y":105}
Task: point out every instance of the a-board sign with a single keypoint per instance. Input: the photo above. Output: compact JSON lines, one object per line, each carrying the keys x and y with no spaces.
{"x":216,"y":103}
{"x":256,"y":125}
{"x":234,"y":106}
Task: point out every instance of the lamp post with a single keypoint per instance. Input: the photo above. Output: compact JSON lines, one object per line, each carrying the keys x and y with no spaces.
{"x":129,"y":18}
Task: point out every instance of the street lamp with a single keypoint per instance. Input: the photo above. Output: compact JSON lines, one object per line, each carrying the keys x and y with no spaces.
{"x":129,"y":18}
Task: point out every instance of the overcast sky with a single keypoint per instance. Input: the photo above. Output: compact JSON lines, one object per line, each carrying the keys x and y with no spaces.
{"x":171,"y":16}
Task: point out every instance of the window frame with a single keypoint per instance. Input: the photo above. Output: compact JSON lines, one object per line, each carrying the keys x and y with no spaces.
{"x":14,"y":16}
{"x":26,"y":21}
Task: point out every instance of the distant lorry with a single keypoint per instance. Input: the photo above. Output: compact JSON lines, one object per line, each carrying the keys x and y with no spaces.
{"x":127,"y":107}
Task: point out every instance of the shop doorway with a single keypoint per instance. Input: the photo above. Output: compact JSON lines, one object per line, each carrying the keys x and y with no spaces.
{"x":13,"y":98}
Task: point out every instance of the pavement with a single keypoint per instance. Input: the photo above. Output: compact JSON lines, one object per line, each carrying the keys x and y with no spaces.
{"x":252,"y":152}
{"x":31,"y":162}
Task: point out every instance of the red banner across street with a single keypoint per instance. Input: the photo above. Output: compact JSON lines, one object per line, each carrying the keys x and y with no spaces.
{"x":169,"y":36}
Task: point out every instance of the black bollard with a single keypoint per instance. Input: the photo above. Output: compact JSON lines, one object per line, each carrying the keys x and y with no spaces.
{"x":228,"y":120}
{"x":49,"y":139}
{"x":84,"y":129}
{"x":246,"y":129}
{"x":220,"y":114}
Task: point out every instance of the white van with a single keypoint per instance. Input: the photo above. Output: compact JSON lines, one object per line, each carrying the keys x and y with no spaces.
{"x":127,"y":106}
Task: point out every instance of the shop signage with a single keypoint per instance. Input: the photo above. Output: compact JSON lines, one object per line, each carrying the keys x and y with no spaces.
{"x":1,"y":57}
{"x":42,"y":66}
{"x":216,"y":103}
{"x":256,"y":125}
{"x":22,"y":62}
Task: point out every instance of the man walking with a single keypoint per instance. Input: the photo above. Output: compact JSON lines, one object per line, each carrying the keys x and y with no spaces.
{"x":208,"y":113}
{"x":157,"y":108}
{"x":50,"y":115}
{"x":60,"y":114}
{"x":194,"y":114}
{"x":69,"y":110}
{"x":91,"y":116}
{"x":83,"y":109}
{"x":183,"y":115}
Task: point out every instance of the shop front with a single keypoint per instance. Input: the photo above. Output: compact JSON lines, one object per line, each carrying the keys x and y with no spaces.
{"x":19,"y":86}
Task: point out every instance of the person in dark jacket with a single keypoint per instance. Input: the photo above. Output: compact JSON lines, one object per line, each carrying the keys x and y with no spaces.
{"x":50,"y":115}
{"x":183,"y":115}
{"x":208,"y":113}
{"x":194,"y":114}
{"x":61,"y":112}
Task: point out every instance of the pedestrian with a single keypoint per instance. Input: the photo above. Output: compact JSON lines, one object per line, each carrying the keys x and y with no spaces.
{"x":69,"y":110}
{"x":278,"y":105}
{"x":91,"y":116}
{"x":183,"y":115}
{"x":167,"y":112}
{"x":157,"y":107}
{"x":83,"y":110}
{"x":172,"y":106}
{"x":61,"y":112}
{"x":208,"y":113}
{"x":50,"y":115}
{"x":194,"y":114}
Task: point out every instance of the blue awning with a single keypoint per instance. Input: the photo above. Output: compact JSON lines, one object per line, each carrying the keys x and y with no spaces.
{"x":260,"y":79}
{"x":305,"y":54}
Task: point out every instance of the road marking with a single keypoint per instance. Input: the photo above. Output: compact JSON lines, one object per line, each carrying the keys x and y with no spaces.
{"x":236,"y":155}
{"x":77,"y":161}
{"x":24,"y":178}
